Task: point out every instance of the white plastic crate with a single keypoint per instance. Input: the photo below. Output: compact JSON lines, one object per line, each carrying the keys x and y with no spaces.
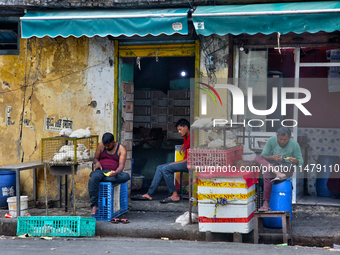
{"x":229,"y":218}
{"x":234,"y":189}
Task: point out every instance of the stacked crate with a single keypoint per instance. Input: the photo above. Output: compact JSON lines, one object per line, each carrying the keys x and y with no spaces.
{"x":159,"y":103}
{"x":142,"y":109}
{"x":178,"y":108}
{"x":156,"y":109}
{"x":225,"y":205}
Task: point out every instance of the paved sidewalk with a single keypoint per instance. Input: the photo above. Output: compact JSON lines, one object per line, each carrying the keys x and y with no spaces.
{"x":311,"y":225}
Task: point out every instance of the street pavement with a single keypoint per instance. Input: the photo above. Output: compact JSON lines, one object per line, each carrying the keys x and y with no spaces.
{"x":138,"y":246}
{"x":311,"y":226}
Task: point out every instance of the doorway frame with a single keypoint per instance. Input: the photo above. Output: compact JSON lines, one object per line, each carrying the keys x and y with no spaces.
{"x":153,"y":50}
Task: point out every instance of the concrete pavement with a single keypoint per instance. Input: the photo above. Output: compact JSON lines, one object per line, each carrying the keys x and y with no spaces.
{"x":109,"y":245}
{"x":311,"y":225}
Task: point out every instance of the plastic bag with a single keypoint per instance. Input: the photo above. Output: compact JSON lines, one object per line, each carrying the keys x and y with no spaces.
{"x":184,"y":218}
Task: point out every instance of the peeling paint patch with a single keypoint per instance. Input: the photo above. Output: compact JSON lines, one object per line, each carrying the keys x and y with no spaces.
{"x":98,"y":112}
{"x":9,"y":109}
{"x":27,"y":124}
{"x":6,"y":84}
{"x":93,"y":104}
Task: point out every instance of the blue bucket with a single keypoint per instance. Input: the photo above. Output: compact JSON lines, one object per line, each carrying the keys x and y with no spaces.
{"x":7,"y":187}
{"x":326,"y":163}
{"x":280,"y":200}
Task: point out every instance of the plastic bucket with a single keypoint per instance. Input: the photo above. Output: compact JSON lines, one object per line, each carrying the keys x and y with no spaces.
{"x":326,"y":163}
{"x":7,"y":187}
{"x":12,"y":205}
{"x":280,"y":200}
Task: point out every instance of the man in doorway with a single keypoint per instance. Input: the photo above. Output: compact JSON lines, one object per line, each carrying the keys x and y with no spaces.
{"x":277,"y":161}
{"x":109,"y":163}
{"x":166,"y":170}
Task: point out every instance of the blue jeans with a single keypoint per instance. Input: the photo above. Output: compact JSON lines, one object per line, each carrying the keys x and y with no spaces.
{"x":166,"y":171}
{"x":98,"y":176}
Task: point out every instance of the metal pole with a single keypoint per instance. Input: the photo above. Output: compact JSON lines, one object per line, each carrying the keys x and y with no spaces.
{"x":190,"y":203}
{"x":66,"y":191}
{"x":17,"y":183}
{"x":35,"y":185}
{"x":45,"y":190}
{"x":74,"y":190}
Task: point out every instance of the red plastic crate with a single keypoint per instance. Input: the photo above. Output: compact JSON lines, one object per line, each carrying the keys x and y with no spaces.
{"x":201,"y":158}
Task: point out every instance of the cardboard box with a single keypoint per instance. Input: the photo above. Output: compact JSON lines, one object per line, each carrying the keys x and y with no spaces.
{"x":158,"y":94}
{"x":158,"y":110}
{"x":142,"y":118}
{"x":142,"y":110}
{"x":142,"y":94}
{"x":178,"y":111}
{"x":179,"y":94}
{"x":142,"y":102}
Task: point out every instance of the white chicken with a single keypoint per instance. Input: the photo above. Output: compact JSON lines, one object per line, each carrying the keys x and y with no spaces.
{"x":203,"y":123}
{"x":81,"y":147}
{"x":81,"y":133}
{"x":70,"y":155}
{"x":86,"y":155}
{"x":66,"y":148}
{"x":60,"y":157}
{"x":65,"y":132}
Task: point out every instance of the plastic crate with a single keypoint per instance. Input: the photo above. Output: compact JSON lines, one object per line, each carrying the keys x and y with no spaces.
{"x":200,"y":158}
{"x":56,"y":226}
{"x":112,"y":201}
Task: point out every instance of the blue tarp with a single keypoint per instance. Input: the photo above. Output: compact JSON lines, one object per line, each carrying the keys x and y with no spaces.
{"x":102,"y":23}
{"x":284,"y":18}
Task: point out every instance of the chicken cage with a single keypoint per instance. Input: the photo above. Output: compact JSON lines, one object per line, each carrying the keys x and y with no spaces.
{"x":67,"y":150}
{"x":215,"y":146}
{"x":218,"y":137}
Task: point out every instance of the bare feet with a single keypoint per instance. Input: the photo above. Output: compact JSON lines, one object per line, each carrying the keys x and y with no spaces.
{"x":265,"y":207}
{"x":94,"y":209}
{"x":147,"y":196}
{"x":175,"y":196}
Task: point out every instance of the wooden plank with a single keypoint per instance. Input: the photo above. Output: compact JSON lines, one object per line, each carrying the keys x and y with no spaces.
{"x":162,"y":50}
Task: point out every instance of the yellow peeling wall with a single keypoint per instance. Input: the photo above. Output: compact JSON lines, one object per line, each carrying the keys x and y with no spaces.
{"x":55,"y":77}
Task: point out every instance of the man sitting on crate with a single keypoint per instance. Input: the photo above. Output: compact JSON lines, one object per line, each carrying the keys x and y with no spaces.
{"x":166,"y":171}
{"x":109,"y":162}
{"x":277,"y":161}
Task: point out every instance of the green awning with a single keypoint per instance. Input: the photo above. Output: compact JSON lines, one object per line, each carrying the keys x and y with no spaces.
{"x":102,"y":23}
{"x":284,"y":18}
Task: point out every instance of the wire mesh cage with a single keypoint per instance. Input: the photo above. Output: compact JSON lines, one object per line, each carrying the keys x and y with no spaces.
{"x":216,"y":137}
{"x":67,"y":150}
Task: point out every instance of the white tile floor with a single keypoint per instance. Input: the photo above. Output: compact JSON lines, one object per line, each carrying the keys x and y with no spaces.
{"x":308,"y":200}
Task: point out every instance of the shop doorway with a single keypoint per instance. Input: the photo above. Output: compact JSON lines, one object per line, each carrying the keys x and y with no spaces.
{"x":160,"y":79}
{"x":161,"y":98}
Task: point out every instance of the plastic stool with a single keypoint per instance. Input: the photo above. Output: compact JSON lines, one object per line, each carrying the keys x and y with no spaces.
{"x":286,"y":226}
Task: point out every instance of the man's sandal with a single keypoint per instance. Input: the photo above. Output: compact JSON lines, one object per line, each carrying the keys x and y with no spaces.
{"x":125,"y":221}
{"x":115,"y":220}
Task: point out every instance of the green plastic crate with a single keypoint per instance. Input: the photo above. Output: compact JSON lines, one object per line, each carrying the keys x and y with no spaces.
{"x":56,"y":226}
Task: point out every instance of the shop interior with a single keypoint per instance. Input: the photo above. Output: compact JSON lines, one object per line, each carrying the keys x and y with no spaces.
{"x":161,"y":98}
